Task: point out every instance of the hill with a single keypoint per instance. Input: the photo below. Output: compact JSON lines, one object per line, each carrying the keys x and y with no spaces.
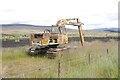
{"x":26,"y":28}
{"x":109,"y":29}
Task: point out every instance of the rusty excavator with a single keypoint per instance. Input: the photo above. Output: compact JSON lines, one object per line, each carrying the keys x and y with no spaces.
{"x":51,"y":40}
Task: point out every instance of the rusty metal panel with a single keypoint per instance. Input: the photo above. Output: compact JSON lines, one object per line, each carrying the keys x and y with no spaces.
{"x":62,"y":39}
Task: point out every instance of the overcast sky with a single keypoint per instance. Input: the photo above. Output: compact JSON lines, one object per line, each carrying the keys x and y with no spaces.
{"x":93,"y":13}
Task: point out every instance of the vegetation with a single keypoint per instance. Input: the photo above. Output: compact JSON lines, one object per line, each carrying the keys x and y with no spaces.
{"x":87,"y":33}
{"x":94,"y":60}
{"x":6,"y":37}
{"x":97,"y":59}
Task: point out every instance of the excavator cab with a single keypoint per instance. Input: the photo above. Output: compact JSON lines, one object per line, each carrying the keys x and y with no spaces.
{"x":58,"y":30}
{"x":55,"y":36}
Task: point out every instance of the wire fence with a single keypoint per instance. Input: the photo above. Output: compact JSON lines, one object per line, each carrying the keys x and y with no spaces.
{"x":58,"y":68}
{"x":22,"y":74}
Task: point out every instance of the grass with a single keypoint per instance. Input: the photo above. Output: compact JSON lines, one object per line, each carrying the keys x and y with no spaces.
{"x":102,"y":65}
{"x":14,"y":37}
{"x":24,"y":34}
{"x":74,"y":62}
{"x":0,"y":62}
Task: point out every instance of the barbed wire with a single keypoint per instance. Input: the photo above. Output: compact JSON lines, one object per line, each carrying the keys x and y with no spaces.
{"x":32,"y":70}
{"x":22,"y":73}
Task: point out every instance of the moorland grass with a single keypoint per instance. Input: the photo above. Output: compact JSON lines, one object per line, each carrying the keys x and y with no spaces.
{"x":75,"y":62}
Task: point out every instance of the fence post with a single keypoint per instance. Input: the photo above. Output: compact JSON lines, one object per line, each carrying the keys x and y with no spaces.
{"x":58,"y":68}
{"x":107,"y":51}
{"x":89,"y":58}
{"x":23,"y":75}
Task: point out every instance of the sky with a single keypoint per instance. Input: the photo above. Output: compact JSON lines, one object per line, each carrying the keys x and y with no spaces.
{"x":93,"y":13}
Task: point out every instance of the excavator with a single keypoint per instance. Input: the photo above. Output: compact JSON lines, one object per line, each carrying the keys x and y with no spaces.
{"x":51,"y":40}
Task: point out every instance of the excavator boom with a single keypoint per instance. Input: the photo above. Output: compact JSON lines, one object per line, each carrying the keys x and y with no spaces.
{"x":74,"y":22}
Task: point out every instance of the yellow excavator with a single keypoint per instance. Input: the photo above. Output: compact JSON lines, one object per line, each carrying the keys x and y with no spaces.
{"x":51,"y":39}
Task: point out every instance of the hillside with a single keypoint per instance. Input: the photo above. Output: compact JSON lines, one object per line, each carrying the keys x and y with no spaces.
{"x":17,"y":25}
{"x":109,"y":29}
{"x":28,"y":29}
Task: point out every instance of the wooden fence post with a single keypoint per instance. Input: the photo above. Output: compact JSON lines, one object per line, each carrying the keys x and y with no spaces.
{"x":89,"y":57}
{"x":58,"y":68}
{"x":107,"y":51}
{"x":23,"y":75}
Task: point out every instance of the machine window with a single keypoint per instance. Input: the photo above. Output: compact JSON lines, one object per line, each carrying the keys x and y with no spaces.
{"x":38,"y":35}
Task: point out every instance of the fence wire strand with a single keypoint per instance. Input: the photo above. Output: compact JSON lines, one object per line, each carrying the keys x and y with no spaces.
{"x":22,"y":73}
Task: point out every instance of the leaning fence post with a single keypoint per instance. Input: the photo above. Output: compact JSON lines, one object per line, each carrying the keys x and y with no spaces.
{"x":58,"y":68}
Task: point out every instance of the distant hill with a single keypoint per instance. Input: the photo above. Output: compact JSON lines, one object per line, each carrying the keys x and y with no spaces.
{"x":7,"y":25}
{"x":18,"y":25}
{"x":27,"y":26}
{"x":17,"y":29}
{"x":109,"y":29}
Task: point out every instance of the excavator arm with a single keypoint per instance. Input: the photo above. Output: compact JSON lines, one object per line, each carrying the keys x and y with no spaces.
{"x":74,"y":22}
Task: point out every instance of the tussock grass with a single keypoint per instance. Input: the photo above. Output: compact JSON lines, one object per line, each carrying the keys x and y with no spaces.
{"x":0,"y":62}
{"x":74,"y":62}
{"x":102,"y":65}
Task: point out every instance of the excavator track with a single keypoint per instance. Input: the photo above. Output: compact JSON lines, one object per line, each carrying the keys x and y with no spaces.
{"x":56,"y":52}
{"x":51,"y":52}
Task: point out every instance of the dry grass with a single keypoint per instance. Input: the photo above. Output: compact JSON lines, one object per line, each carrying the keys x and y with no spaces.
{"x":0,"y":62}
{"x":74,"y":62}
{"x":101,"y":65}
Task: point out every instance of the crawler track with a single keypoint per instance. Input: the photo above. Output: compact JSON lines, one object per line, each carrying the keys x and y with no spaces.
{"x":51,"y":52}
